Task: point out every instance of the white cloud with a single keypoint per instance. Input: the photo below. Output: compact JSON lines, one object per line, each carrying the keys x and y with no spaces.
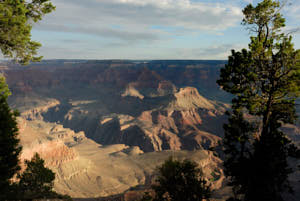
{"x":292,"y":14}
{"x":134,"y":20}
{"x":147,"y":29}
{"x":214,"y":51}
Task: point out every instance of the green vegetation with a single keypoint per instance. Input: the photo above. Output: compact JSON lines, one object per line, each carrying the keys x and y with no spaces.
{"x":179,"y":181}
{"x":36,"y":182}
{"x":9,"y":143}
{"x":265,"y":80}
{"x":16,"y":18}
{"x":36,"y":179}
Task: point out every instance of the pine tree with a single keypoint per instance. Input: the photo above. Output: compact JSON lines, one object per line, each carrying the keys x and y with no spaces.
{"x":36,"y":181}
{"x":265,"y":80}
{"x":9,"y":143}
{"x":16,"y":19}
{"x":179,"y":181}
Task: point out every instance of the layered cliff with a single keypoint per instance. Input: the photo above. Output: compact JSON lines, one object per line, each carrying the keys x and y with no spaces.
{"x":85,"y":169}
{"x":185,"y":121}
{"x":117,"y":104}
{"x":104,"y":126}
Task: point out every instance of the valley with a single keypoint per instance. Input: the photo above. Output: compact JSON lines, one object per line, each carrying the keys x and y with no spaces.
{"x":104,"y":126}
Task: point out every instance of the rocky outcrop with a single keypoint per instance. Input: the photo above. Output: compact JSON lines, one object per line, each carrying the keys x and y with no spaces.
{"x":54,"y":153}
{"x":109,"y":170}
{"x":188,"y":98}
{"x":131,"y":91}
{"x":149,"y":84}
{"x":85,"y":169}
{"x":51,"y":141}
{"x":172,"y":128}
{"x":36,"y":112}
{"x":186,"y":122}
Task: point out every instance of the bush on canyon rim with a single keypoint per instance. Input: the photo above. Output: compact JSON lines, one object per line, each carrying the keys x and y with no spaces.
{"x":179,"y":181}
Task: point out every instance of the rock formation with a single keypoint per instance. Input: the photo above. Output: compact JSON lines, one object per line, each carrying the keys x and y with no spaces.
{"x":103,"y":126}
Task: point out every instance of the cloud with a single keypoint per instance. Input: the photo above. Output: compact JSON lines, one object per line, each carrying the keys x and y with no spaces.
{"x":133,"y":20}
{"x":292,"y":15}
{"x":294,"y":11}
{"x":217,"y":51}
{"x":121,"y":51}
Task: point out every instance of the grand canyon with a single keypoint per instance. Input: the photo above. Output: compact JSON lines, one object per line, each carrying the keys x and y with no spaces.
{"x":104,"y":126}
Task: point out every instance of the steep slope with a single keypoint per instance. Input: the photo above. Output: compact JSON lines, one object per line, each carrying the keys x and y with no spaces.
{"x":187,"y":121}
{"x":126,"y":110}
{"x":85,"y":169}
{"x":188,"y":98}
{"x":119,"y":105}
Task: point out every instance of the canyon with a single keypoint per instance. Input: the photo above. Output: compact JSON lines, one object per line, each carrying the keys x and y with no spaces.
{"x":104,"y":126}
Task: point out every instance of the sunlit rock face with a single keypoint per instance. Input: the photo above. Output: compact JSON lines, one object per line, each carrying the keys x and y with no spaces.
{"x":124,"y":102}
{"x":85,"y":169}
{"x":104,"y":126}
{"x":51,"y":141}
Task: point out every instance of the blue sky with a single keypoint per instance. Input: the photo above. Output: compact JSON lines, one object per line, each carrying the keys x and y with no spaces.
{"x":148,"y":29}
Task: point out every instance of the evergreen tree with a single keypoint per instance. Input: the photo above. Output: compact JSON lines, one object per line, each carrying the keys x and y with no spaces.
{"x":179,"y":181}
{"x":36,"y":181}
{"x":9,"y":143}
{"x":265,"y":80}
{"x":16,"y":19}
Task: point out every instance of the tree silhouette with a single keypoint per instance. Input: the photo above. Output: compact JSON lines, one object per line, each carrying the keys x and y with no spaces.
{"x":37,"y":180}
{"x":179,"y":181}
{"x":16,"y":19}
{"x":9,"y":143}
{"x":265,"y":80}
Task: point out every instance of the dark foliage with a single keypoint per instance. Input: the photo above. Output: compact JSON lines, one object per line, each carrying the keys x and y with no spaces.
{"x":36,"y":181}
{"x":179,"y":181}
{"x":16,"y":19}
{"x":9,"y":143}
{"x":265,"y":81}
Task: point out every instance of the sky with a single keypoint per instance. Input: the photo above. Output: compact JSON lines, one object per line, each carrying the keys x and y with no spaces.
{"x":148,"y":29}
